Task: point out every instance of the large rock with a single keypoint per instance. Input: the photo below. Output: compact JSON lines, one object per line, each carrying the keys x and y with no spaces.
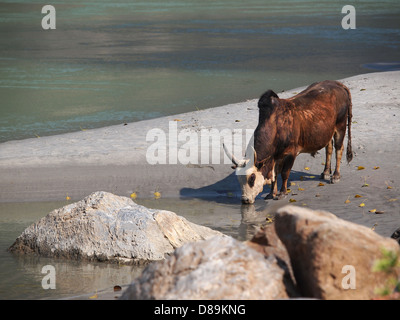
{"x":218,"y":268}
{"x":267,"y":242}
{"x":107,"y":227}
{"x":325,"y":252}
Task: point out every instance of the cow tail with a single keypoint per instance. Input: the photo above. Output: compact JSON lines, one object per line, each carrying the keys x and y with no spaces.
{"x":349,"y":151}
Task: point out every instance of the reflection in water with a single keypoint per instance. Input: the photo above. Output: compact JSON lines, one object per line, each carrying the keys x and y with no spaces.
{"x":254,"y":217}
{"x":252,"y":220}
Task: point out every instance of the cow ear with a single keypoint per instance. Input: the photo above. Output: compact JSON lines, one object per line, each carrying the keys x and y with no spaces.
{"x":260,"y":165}
{"x":264,"y":171}
{"x":266,"y":167}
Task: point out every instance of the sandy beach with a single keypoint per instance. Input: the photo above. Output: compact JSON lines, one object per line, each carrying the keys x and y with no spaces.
{"x":113,"y":159}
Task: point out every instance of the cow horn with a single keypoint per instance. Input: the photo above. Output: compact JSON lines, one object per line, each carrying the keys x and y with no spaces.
{"x":255,"y":155}
{"x":231,"y":157}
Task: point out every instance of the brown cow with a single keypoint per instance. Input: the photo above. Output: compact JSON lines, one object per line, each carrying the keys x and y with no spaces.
{"x":315,"y":118}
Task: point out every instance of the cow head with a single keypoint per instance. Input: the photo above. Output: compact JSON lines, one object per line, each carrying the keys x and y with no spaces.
{"x":250,"y":174}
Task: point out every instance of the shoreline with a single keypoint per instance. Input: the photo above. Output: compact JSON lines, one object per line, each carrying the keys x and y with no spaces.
{"x":113,"y":158}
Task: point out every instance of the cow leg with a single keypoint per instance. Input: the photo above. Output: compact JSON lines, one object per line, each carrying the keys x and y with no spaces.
{"x":286,"y":168}
{"x":274,"y":190}
{"x":327,"y":170}
{"x":336,"y":174}
{"x":274,"y":184}
{"x":339,"y":137}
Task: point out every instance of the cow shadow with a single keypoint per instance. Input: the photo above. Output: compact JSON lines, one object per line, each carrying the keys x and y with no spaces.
{"x":228,"y":190}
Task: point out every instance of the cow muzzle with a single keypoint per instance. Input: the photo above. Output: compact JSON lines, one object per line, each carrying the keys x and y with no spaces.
{"x":246,"y":200}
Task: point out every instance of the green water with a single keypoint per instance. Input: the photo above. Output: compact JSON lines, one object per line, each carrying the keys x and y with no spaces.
{"x":121,"y":61}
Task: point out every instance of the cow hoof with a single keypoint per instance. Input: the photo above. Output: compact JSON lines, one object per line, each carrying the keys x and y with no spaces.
{"x":325,"y":176}
{"x":335,"y":180}
{"x":269,"y":196}
{"x":280,"y":196}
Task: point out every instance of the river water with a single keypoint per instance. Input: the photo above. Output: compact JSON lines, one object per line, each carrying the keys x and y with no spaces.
{"x":110,"y":62}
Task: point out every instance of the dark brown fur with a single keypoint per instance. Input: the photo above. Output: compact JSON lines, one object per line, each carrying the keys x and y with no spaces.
{"x":315,"y":118}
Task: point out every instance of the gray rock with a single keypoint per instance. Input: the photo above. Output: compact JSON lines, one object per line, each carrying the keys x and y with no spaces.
{"x":106,"y":227}
{"x":218,"y":268}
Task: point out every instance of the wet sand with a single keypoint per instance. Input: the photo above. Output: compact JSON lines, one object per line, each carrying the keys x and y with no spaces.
{"x":114,"y":159}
